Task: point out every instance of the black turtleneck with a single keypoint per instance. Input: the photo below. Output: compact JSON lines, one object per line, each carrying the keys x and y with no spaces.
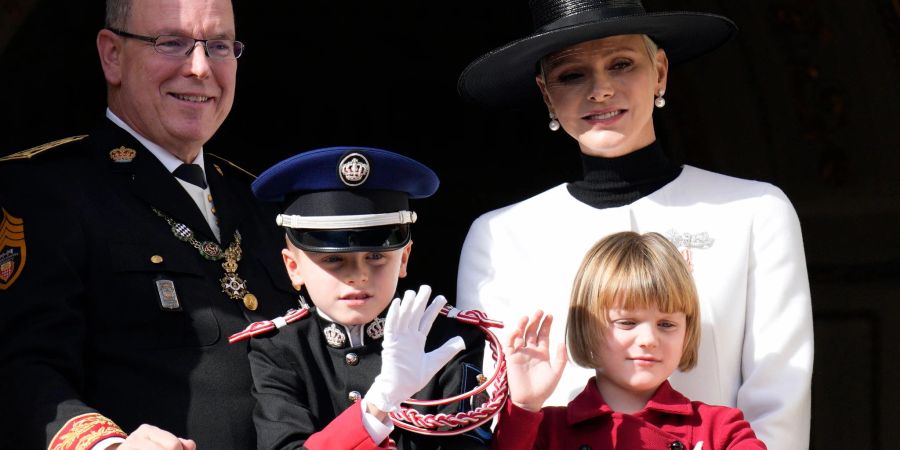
{"x":613,"y":182}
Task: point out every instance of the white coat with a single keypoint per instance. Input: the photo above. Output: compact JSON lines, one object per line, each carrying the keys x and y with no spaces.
{"x":743,"y":241}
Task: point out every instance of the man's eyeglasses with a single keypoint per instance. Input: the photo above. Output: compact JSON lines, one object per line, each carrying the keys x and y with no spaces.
{"x":183,"y":46}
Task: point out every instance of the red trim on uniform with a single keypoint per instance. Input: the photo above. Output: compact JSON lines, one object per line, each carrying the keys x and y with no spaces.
{"x":345,"y":431}
{"x":265,"y":326}
{"x":84,"y":432}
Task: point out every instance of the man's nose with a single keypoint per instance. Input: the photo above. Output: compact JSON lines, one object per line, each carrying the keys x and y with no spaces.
{"x":199,"y":61}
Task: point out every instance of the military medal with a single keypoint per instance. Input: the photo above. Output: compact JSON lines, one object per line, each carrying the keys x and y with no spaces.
{"x":232,"y":284}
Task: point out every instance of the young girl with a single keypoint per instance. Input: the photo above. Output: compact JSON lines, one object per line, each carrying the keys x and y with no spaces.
{"x":634,"y":319}
{"x":330,"y":373}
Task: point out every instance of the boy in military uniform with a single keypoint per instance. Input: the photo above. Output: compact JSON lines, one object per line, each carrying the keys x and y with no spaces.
{"x":330,"y":374}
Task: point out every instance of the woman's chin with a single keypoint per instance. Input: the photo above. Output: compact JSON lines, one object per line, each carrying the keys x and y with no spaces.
{"x":605,"y":144}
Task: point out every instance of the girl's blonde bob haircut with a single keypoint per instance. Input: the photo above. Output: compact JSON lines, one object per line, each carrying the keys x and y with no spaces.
{"x":628,"y":270}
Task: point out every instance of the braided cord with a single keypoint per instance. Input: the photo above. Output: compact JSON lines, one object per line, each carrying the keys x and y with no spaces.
{"x":451,"y":424}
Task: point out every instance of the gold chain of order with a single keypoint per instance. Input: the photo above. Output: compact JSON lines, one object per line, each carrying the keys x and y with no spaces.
{"x":232,"y":284}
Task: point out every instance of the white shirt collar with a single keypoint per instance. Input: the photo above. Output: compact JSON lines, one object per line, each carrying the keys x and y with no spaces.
{"x":167,"y":159}
{"x":354,"y":332}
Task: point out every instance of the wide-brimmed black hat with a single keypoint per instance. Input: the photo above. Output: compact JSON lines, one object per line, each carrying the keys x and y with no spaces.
{"x":505,"y":76}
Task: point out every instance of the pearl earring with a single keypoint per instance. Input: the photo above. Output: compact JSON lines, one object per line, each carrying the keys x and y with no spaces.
{"x":659,"y":101}
{"x":554,"y":124}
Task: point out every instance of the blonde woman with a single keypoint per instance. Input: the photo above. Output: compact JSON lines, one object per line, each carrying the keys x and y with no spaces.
{"x":602,"y":68}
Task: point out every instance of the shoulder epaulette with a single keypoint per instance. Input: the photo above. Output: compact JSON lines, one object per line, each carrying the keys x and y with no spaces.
{"x":265,"y":326}
{"x":239,"y":168}
{"x":34,"y":151}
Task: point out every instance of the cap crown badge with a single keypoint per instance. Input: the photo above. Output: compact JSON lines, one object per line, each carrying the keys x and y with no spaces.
{"x":354,"y":169}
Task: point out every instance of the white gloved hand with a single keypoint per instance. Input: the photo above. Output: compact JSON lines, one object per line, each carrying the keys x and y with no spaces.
{"x":405,"y":367}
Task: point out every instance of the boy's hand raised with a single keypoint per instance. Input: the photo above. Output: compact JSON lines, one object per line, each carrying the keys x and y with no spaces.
{"x":405,"y":367}
{"x":531,"y":373}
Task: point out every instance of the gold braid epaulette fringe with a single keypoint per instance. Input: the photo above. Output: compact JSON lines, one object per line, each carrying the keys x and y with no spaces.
{"x":85,"y":431}
{"x":33,"y":151}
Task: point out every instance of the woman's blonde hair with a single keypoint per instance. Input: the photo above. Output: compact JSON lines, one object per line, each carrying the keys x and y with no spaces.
{"x":649,"y":45}
{"x":628,"y":270}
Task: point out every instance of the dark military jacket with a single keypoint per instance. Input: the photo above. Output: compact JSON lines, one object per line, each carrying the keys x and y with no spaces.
{"x":302,"y":382}
{"x":84,"y":328}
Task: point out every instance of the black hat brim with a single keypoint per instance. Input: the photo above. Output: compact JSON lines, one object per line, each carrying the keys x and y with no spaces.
{"x":372,"y":239}
{"x":504,"y":77}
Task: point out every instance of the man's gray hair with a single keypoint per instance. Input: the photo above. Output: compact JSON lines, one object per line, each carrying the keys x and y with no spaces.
{"x":117,"y":12}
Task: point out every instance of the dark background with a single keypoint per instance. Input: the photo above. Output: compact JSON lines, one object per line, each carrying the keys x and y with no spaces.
{"x":806,"y":98}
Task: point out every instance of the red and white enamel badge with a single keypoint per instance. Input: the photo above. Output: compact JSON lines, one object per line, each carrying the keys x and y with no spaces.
{"x":12,"y":249}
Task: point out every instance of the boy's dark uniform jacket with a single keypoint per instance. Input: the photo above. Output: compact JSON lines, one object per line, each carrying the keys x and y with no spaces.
{"x":82,"y":330}
{"x":302,"y":384}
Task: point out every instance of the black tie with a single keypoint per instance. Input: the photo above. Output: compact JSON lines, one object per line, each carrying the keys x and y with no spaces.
{"x":192,"y":173}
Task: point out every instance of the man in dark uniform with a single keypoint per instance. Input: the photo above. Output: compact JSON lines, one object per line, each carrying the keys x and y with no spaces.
{"x":130,"y":254}
{"x":327,"y":377}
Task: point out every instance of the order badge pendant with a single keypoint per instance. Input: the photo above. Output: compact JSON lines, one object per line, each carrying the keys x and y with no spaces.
{"x":233,"y":286}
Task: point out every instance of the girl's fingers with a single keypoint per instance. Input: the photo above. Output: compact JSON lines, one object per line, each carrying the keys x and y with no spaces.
{"x":544,"y":332}
{"x":531,"y":329}
{"x":517,"y":332}
{"x":516,"y":344}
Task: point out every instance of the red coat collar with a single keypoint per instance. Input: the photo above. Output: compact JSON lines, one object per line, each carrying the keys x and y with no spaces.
{"x":590,"y":404}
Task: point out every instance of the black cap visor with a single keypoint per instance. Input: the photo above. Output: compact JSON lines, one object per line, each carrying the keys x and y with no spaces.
{"x":371,"y":239}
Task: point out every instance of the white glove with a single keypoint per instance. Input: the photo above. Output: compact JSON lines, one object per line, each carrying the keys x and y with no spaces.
{"x":405,"y":367}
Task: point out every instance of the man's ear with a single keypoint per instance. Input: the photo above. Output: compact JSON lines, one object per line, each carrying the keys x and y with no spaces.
{"x":404,"y":259}
{"x":109,"y":46}
{"x":293,"y":269}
